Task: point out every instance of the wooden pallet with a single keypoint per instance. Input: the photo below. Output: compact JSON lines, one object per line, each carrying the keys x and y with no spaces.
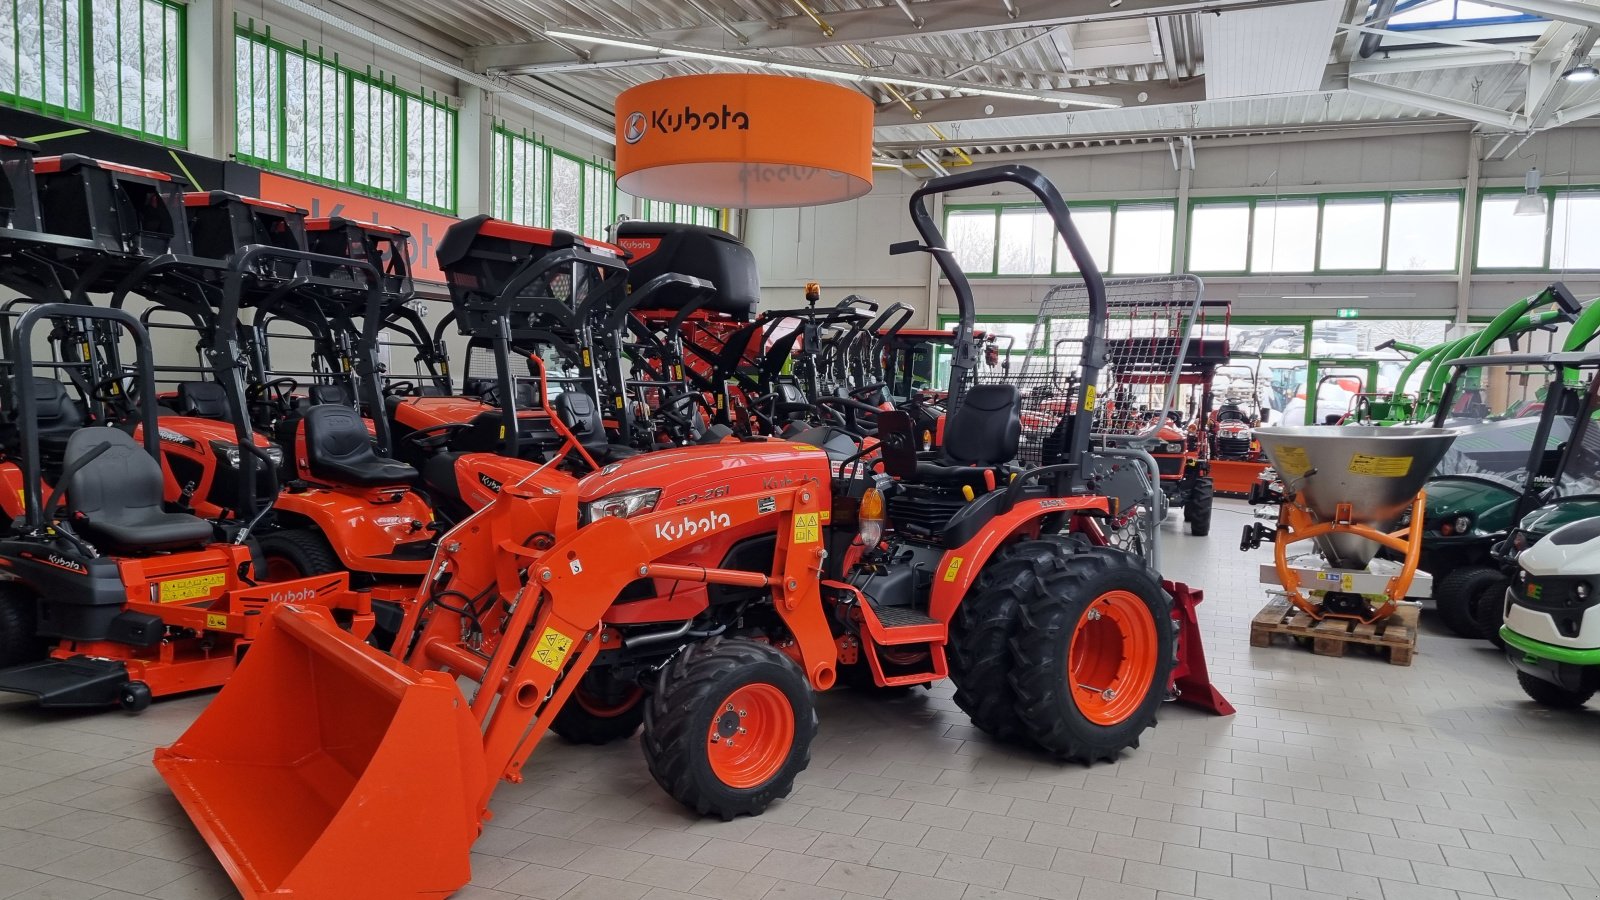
{"x":1396,"y":636}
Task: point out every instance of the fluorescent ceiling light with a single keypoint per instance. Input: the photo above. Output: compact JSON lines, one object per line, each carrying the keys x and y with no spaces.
{"x":599,"y":39}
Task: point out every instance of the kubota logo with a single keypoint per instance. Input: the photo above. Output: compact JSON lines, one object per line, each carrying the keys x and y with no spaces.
{"x":292,"y":596}
{"x":689,"y":119}
{"x":634,"y":128}
{"x":61,"y":562}
{"x":488,"y":482}
{"x":688,"y":527}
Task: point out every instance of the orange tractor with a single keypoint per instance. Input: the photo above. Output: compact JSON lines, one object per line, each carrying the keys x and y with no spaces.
{"x":716,"y":587}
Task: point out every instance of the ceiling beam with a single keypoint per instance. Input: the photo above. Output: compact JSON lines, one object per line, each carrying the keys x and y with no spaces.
{"x":1459,"y":109}
{"x":966,"y":109}
{"x":1573,"y":11}
{"x":875,"y":24}
{"x":1243,"y":134}
{"x":1423,"y":62}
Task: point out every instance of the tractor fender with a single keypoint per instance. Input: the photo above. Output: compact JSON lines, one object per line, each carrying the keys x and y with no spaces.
{"x":362,"y":533}
{"x":959,"y":566}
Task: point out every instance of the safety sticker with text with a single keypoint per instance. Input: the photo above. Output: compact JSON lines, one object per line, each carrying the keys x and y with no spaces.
{"x":181,"y":589}
{"x":952,"y":569}
{"x":551,"y":651}
{"x":1292,"y":460}
{"x":216,"y":622}
{"x":1380,"y":466}
{"x":806,"y":529}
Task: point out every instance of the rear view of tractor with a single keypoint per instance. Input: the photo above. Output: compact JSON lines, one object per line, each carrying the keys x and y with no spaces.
{"x":704,"y":593}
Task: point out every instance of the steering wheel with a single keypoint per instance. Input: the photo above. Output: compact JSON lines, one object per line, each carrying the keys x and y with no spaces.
{"x":868,"y":391}
{"x":278,"y":391}
{"x":118,"y":392}
{"x":435,"y":437}
{"x":677,"y":411}
{"x":401,"y":389}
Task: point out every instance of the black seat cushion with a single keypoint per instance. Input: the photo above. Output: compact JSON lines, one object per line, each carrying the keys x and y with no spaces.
{"x":116,"y":497}
{"x":332,"y":393}
{"x":984,"y":432}
{"x":202,"y":399}
{"x":581,"y":414}
{"x":57,"y":414}
{"x":339,"y":448}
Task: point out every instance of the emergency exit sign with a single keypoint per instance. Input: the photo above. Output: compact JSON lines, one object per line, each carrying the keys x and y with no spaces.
{"x":1348,"y":312}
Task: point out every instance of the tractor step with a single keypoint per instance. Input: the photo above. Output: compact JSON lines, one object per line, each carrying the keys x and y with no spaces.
{"x":76,"y":682}
{"x":891,"y":625}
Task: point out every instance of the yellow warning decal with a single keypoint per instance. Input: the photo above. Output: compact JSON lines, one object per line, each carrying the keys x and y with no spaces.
{"x":1380,"y":466}
{"x":806,"y":530}
{"x":181,"y":589}
{"x":216,"y":622}
{"x":951,"y":570}
{"x":551,"y":651}
{"x":618,"y":401}
{"x":1347,"y":582}
{"x":1293,"y":461}
{"x":1089,"y":395}
{"x":586,"y":356}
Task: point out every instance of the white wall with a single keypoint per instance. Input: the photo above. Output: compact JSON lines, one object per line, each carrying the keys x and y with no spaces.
{"x":843,"y":245}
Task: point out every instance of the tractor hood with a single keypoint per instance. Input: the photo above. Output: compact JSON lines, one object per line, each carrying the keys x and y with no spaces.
{"x":1489,"y":505}
{"x":192,"y":431}
{"x":1573,"y":550}
{"x":696,"y":474}
{"x":1551,"y":516}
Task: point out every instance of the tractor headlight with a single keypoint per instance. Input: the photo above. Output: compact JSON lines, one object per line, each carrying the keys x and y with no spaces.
{"x":1463,"y":524}
{"x":870,"y":518}
{"x":1174,"y":447}
{"x":620,"y":505}
{"x":229,"y":453}
{"x":1581,"y":590}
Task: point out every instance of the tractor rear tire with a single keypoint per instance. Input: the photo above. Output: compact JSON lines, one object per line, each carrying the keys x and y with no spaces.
{"x":1455,"y":595}
{"x":1197,"y":507}
{"x":600,"y":710}
{"x":1489,"y":611}
{"x":985,"y":623}
{"x":296,"y":553}
{"x":729,"y":726}
{"x":1550,"y":695}
{"x":19,"y":627}
{"x":1092,"y":660}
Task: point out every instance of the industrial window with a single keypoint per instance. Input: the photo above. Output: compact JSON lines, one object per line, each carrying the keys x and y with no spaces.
{"x":304,"y":113}
{"x":1574,"y":222}
{"x":1335,"y":233}
{"x":535,"y":185}
{"x":1557,"y":235}
{"x":1124,"y":238}
{"x":1507,"y":240}
{"x":114,"y":63}
{"x":681,"y":213}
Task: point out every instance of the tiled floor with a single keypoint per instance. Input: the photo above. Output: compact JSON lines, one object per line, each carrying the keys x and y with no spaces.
{"x":1337,"y":778}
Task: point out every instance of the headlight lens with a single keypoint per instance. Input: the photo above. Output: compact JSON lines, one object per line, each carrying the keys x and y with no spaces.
{"x":620,"y":505}
{"x":1581,"y":591}
{"x":229,"y":453}
{"x":1463,"y":524}
{"x":1174,"y":447}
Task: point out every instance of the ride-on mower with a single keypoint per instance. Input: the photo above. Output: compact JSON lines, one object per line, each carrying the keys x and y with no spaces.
{"x":726,"y":583}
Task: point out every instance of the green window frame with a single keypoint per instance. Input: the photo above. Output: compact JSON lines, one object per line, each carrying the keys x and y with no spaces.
{"x":1060,"y":262}
{"x":1322,"y":201}
{"x":302,"y":112}
{"x":49,"y":64}
{"x":680,"y":213}
{"x":525,"y":187}
{"x":1550,"y":194}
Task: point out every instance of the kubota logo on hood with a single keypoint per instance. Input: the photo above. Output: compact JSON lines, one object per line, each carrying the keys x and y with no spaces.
{"x":690,"y":527}
{"x":488,"y":482}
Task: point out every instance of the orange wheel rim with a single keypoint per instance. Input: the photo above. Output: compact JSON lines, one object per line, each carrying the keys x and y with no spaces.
{"x":599,"y":708}
{"x":751,"y":735}
{"x":1111,"y":661}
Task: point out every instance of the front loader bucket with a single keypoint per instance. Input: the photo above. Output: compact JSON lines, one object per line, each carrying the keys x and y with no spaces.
{"x":325,"y":769}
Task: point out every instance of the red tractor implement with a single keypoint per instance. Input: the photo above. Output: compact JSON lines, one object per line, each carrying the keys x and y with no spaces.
{"x":717,"y":587}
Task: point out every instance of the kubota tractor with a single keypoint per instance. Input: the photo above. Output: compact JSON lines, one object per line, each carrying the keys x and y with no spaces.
{"x":717,"y":587}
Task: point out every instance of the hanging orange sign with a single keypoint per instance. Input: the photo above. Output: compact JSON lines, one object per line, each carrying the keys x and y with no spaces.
{"x":744,"y":141}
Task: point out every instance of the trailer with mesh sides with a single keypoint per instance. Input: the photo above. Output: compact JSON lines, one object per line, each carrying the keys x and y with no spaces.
{"x":1158,"y":343}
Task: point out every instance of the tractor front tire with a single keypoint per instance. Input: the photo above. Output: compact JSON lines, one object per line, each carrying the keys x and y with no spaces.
{"x":19,"y":627}
{"x":1455,"y":595}
{"x":1197,"y":511}
{"x":1550,"y":695}
{"x":985,"y":623}
{"x":298,"y":552}
{"x":1489,"y":611}
{"x":1092,"y":660}
{"x":601,"y":710}
{"x":729,"y":726}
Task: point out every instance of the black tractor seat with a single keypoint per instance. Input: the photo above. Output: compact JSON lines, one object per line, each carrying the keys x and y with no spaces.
{"x":115,"y":498}
{"x":58,"y":417}
{"x":339,"y":449}
{"x":982,"y":435}
{"x":581,"y":414}
{"x":202,"y":399}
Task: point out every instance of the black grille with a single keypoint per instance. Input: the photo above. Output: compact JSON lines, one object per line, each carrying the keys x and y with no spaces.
{"x":922,"y":514}
{"x":1557,"y":596}
{"x":1233,"y":446}
{"x":1170,"y":466}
